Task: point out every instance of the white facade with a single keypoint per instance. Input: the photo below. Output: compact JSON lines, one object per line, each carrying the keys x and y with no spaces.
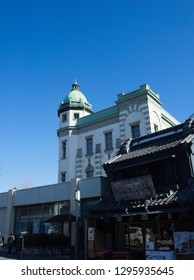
{"x":140,"y":109}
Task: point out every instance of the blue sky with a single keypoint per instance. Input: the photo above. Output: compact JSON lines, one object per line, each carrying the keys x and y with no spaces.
{"x":109,"y":46}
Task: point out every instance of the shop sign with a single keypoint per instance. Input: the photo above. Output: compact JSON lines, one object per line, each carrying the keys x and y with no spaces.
{"x":136,"y":188}
{"x":181,"y":242}
{"x":160,"y":255}
{"x":90,"y":233}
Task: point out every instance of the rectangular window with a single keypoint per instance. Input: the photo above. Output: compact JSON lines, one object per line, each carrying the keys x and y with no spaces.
{"x":48,"y":210}
{"x":135,"y":129}
{"x":98,"y":148}
{"x":89,"y":146}
{"x":89,"y":174}
{"x":108,"y":141}
{"x":118,"y":143}
{"x":155,"y":127}
{"x":64,"y":117}
{"x":76,"y":116}
{"x":64,"y":149}
{"x":32,"y":219}
{"x":63,"y":177}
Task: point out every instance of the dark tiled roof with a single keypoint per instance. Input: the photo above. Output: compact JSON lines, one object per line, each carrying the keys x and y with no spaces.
{"x":154,"y":144}
{"x":172,"y":200}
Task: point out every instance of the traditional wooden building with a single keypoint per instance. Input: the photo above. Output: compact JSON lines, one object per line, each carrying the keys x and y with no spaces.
{"x":149,"y":210}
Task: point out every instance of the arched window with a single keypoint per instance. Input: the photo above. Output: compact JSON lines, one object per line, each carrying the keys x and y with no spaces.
{"x":89,"y":171}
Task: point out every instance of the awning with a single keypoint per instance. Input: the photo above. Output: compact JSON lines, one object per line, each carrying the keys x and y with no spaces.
{"x":180,"y":200}
{"x":61,"y":218}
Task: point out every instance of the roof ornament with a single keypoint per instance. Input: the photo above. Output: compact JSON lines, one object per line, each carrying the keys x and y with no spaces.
{"x":189,"y":123}
{"x":75,"y":85}
{"x":191,"y":116}
{"x":146,"y":205}
{"x":125,"y":147}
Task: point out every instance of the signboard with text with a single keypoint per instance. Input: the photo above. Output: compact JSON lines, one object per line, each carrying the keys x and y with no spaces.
{"x":135,"y":188}
{"x":184,"y":242}
{"x":160,"y":255}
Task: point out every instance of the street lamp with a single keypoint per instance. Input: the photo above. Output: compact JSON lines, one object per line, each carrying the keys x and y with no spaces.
{"x":77,"y":208}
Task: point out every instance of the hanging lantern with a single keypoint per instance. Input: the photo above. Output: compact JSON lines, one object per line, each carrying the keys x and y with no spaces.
{"x":144,"y":217}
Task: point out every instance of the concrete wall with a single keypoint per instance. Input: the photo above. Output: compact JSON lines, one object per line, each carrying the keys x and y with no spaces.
{"x":3,"y":210}
{"x":89,"y":188}
{"x":44,"y":194}
{"x":93,"y":187}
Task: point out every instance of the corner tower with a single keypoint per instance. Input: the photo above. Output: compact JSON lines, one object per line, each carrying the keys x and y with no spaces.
{"x":73,"y":107}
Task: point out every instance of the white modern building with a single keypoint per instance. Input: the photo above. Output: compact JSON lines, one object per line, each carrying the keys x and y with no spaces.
{"x":88,"y":139}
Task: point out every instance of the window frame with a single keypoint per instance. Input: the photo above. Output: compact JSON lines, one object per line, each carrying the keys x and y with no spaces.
{"x":156,"y":127}
{"x":89,"y":145}
{"x":89,"y":173}
{"x":135,"y":130}
{"x":76,"y":116}
{"x":64,"y":117}
{"x":108,"y":140}
{"x":63,"y":176}
{"x":64,"y":149}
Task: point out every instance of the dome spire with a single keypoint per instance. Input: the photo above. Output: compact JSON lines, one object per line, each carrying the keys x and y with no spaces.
{"x":75,"y":85}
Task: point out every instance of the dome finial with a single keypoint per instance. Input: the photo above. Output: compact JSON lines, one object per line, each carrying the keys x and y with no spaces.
{"x":75,"y":85}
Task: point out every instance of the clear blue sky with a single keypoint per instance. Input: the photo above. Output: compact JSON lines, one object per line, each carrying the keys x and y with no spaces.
{"x":110,"y":46}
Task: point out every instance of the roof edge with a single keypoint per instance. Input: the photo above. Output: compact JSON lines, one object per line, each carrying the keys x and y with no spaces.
{"x":144,"y":90}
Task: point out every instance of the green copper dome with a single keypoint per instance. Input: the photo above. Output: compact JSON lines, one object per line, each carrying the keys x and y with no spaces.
{"x":75,"y":100}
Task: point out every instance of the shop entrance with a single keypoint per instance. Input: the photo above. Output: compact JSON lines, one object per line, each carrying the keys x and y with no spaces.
{"x":130,"y":237}
{"x":140,"y":237}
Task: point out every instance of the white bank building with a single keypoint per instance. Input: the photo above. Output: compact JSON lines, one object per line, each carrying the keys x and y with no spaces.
{"x":87,"y":139}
